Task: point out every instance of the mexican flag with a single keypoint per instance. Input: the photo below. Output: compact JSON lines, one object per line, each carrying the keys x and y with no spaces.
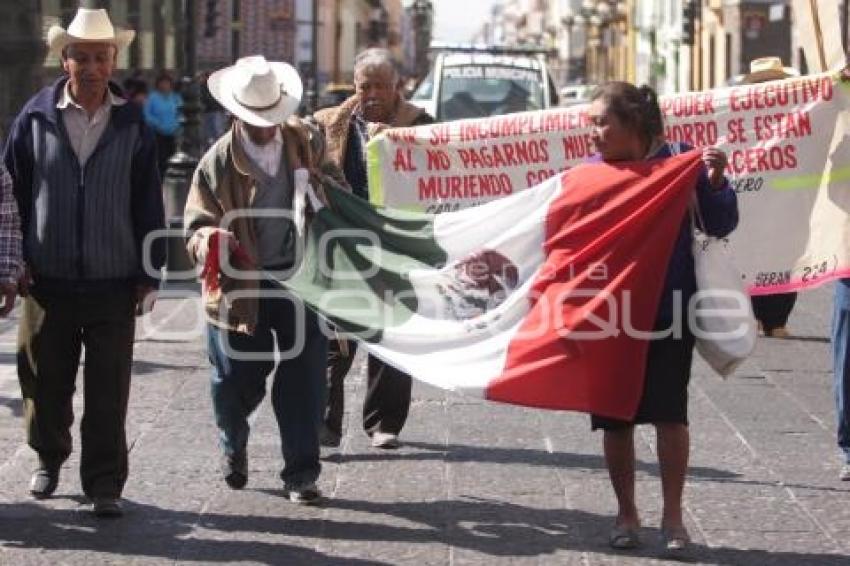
{"x":522,"y":300}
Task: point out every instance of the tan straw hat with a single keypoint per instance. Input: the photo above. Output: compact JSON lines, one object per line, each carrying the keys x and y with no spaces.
{"x":768,"y":69}
{"x":88,"y":26}
{"x":259,"y":92}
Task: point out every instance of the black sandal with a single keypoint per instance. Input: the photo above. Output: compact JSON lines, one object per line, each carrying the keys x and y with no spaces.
{"x":624,"y":538}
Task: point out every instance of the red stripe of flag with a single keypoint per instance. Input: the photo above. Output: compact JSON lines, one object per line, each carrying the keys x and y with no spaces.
{"x":626,"y":218}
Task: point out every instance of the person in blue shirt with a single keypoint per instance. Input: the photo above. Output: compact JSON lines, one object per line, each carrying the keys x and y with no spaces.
{"x":162,"y":114}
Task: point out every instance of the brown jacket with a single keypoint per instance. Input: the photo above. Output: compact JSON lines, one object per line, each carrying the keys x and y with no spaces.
{"x":221,"y":185}
{"x":335,"y":122}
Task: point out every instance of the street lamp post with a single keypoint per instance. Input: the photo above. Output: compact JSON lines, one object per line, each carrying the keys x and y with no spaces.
{"x":182,"y":164}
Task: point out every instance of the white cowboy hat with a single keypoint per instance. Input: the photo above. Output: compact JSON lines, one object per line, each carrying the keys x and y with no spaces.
{"x":768,"y":69}
{"x":259,"y":92}
{"x":89,"y":26}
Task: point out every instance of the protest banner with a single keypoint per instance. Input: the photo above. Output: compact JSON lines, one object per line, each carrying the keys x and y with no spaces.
{"x":788,"y":144}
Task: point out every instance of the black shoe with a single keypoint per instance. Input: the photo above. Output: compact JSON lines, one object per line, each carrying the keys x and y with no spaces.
{"x":44,"y":481}
{"x":235,"y":469}
{"x":107,"y":508}
{"x":329,"y":438}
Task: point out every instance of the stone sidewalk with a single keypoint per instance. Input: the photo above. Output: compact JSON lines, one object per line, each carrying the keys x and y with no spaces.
{"x":475,"y":483}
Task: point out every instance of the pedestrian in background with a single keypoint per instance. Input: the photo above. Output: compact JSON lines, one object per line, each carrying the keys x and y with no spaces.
{"x":771,"y":311}
{"x":249,"y":176}
{"x":841,"y":371}
{"x":628,"y":126}
{"x":89,"y":196}
{"x":162,"y":113}
{"x":136,"y":88}
{"x":376,"y":105}
{"x":841,"y":359}
{"x":11,"y":258}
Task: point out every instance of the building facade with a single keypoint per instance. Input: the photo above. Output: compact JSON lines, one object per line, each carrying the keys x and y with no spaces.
{"x":672,"y":45}
{"x":416,"y":29}
{"x":346,"y":27}
{"x":230,"y":29}
{"x":156,"y":45}
{"x":569,"y":41}
{"x":22,"y":51}
{"x":732,"y":33}
{"x":596,"y":41}
{"x":283,"y":30}
{"x":26,"y":66}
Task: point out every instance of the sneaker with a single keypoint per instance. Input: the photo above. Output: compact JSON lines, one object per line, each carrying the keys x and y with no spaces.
{"x":44,"y":481}
{"x":107,"y":508}
{"x":305,"y":495}
{"x":329,"y":438}
{"x":844,"y":474}
{"x":235,"y":470}
{"x":385,"y":440}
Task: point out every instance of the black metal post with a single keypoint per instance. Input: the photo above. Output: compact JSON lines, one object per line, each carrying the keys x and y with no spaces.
{"x":182,"y":164}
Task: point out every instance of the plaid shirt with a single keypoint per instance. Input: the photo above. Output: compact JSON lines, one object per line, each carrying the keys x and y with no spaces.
{"x":11,"y":259}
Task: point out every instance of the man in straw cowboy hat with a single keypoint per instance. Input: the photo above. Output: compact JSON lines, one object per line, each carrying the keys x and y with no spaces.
{"x":83,"y":165}
{"x":240,"y":208}
{"x":771,"y":311}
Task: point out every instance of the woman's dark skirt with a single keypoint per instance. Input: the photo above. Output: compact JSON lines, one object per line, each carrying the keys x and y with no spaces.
{"x":665,"y":390}
{"x":772,"y":311}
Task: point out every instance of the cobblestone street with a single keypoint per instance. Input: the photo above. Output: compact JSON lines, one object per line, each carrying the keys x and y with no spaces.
{"x":474,"y":483}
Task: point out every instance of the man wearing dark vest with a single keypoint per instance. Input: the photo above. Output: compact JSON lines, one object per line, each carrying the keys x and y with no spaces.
{"x":376,"y":105}
{"x":83,"y":165}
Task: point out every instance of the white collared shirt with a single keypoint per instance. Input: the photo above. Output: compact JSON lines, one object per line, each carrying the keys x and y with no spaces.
{"x":267,"y":156}
{"x":83,"y":131}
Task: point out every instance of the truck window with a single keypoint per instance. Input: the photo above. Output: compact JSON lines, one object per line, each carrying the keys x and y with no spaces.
{"x":476,"y":91}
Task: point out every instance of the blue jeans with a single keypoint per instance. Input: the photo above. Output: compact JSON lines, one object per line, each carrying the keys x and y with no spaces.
{"x":240,"y":365}
{"x":841,"y":363}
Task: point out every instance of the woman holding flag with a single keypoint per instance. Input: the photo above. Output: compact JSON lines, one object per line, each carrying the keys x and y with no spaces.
{"x":628,"y":126}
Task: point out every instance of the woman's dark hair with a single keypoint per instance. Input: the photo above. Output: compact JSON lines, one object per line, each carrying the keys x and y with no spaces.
{"x":164,"y":76}
{"x":636,"y":107}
